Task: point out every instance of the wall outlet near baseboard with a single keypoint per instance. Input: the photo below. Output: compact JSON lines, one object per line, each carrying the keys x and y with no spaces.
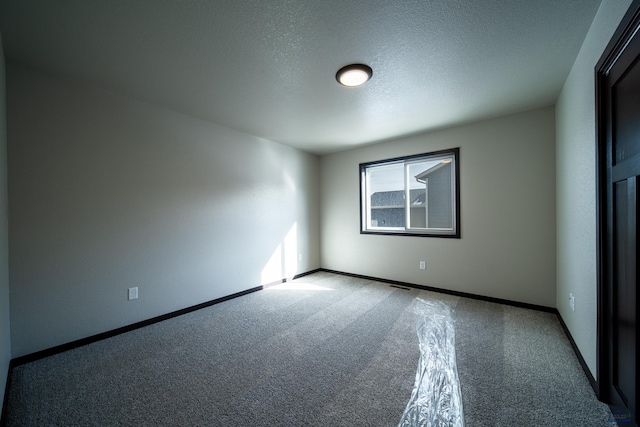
{"x":133,"y":293}
{"x":572,"y":302}
{"x":423,"y":265}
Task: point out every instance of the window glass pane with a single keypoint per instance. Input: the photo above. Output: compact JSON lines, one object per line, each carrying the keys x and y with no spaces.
{"x":386,"y":189}
{"x":431,"y":194}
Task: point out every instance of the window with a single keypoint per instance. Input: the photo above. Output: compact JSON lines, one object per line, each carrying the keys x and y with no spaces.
{"x":415,"y":195}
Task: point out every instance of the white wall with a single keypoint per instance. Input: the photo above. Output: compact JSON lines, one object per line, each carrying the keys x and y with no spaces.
{"x":5,"y":332}
{"x":107,"y":193}
{"x":507,"y":249}
{"x":576,"y":184}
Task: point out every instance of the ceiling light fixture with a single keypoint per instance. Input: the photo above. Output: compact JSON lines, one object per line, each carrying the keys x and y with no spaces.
{"x":354,"y":75}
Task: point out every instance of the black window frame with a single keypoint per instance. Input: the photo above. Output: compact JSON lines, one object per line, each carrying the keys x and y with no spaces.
{"x":455,"y":233}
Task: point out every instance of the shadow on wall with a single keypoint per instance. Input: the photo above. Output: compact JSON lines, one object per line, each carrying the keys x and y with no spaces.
{"x":283,"y":263}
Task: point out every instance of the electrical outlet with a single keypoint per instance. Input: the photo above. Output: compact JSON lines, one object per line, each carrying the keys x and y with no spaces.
{"x":133,"y":293}
{"x":572,"y":302}
{"x":423,"y":265}
{"x":299,"y":257}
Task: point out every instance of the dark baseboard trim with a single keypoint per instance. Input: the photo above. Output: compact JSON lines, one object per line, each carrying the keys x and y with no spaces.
{"x":94,"y":338}
{"x":297,"y":276}
{"x":88,"y":340}
{"x":449,"y":292}
{"x":585,"y":368}
{"x":5,"y":401}
{"x":277,"y":282}
{"x":17,"y":361}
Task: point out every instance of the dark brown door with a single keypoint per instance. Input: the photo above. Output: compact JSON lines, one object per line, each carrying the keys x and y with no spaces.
{"x":619,"y":158}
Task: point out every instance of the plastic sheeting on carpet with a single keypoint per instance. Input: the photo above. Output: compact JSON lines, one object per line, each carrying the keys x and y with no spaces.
{"x":436,"y":400}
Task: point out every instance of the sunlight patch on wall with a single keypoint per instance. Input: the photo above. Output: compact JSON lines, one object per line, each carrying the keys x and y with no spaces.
{"x":290,"y":252}
{"x":283,"y":263}
{"x":273,"y":270}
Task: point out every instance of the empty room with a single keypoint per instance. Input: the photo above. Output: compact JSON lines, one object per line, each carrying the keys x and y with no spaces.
{"x":320,"y":213}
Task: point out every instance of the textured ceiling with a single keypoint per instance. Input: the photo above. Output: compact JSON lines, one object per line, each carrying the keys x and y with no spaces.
{"x":268,"y":67}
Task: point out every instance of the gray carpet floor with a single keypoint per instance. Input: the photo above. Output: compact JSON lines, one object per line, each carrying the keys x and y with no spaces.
{"x":323,"y":350}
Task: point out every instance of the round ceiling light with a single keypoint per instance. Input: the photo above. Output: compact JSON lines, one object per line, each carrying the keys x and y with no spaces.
{"x":354,"y":75}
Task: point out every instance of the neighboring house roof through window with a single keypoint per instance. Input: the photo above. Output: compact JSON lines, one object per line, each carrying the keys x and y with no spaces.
{"x":395,"y":199}
{"x":421,"y":177}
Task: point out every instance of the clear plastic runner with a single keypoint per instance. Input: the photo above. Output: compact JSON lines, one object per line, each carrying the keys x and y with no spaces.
{"x":436,"y":400}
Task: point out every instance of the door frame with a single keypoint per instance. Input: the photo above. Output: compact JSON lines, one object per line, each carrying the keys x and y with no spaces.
{"x":628,"y":28}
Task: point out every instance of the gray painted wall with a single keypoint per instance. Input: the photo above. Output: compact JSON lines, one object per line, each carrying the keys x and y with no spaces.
{"x":106,"y":193}
{"x":5,"y":332}
{"x":507,"y":249}
{"x":576,"y":184}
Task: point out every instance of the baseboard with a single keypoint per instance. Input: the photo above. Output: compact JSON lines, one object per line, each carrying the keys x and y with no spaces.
{"x":297,"y":276}
{"x":585,"y":368}
{"x":94,"y":338}
{"x":88,"y":340}
{"x":448,"y":292}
